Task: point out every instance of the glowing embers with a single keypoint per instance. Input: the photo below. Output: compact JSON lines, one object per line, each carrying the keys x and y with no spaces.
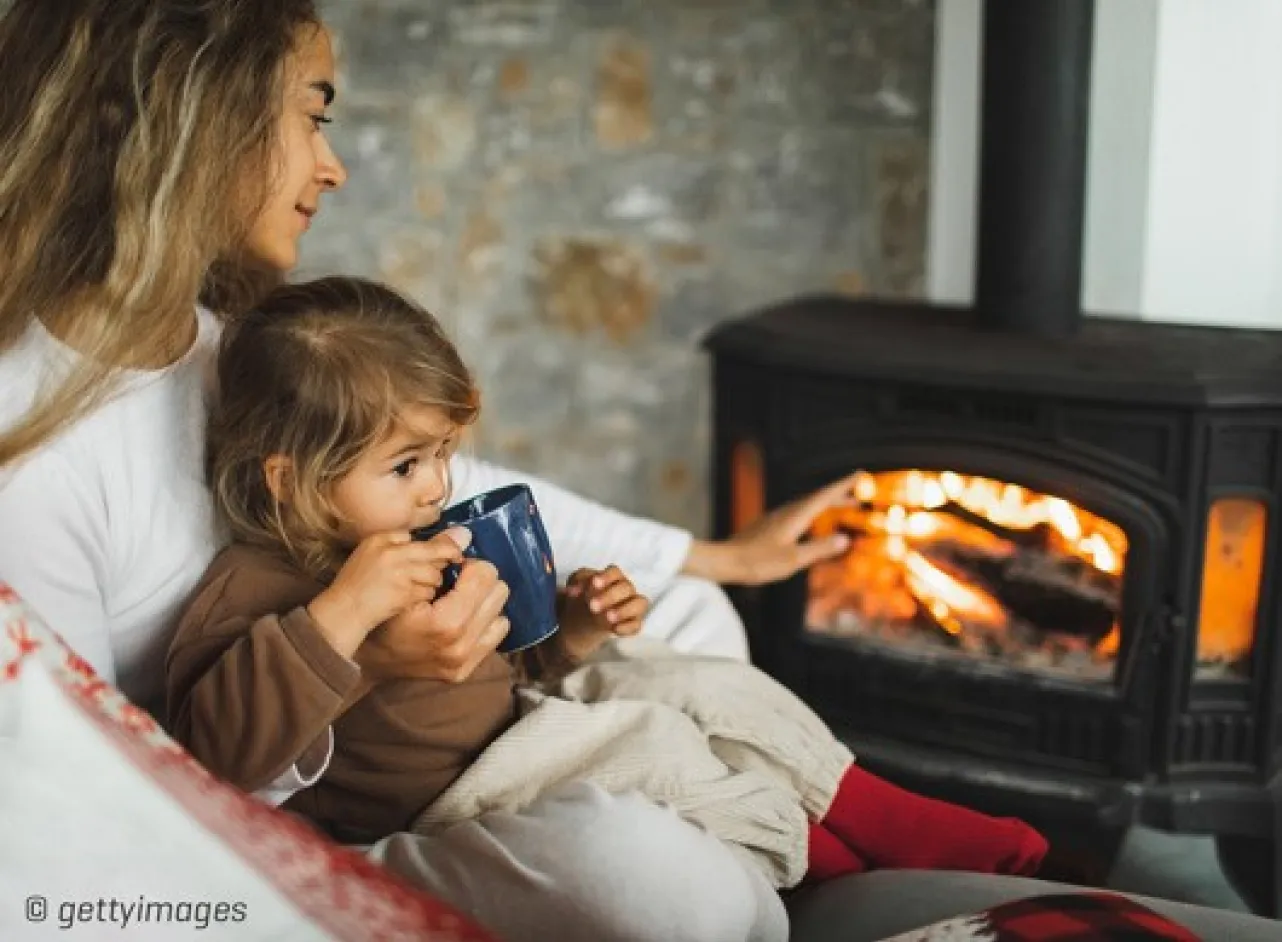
{"x":947,"y":563}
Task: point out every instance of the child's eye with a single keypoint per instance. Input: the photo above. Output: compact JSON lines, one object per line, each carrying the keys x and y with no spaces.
{"x":405,"y":468}
{"x":319,"y":119}
{"x":446,"y":449}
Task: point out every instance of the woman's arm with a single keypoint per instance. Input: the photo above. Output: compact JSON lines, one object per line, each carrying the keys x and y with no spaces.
{"x":588,"y":535}
{"x":53,"y":541}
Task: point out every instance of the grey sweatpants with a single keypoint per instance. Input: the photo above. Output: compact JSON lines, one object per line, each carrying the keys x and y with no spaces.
{"x":580,"y":865}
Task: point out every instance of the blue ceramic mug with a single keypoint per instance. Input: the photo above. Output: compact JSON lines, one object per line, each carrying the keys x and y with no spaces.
{"x":507,"y":532}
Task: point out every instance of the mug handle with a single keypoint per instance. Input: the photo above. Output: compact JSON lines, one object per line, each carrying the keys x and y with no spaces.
{"x":450,"y":574}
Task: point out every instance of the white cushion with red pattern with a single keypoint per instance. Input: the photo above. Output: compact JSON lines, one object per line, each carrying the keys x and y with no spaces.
{"x":109,"y":830}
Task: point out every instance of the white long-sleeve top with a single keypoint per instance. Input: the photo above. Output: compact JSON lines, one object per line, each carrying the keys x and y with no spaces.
{"x":584,"y":533}
{"x":106,"y":529}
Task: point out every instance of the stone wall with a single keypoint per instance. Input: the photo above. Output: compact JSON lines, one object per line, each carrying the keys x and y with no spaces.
{"x":580,"y":188}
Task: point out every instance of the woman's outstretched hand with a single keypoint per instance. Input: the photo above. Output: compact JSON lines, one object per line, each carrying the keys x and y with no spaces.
{"x":774,"y":547}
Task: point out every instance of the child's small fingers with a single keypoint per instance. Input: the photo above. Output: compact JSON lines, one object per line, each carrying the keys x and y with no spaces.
{"x":612,"y":597}
{"x":626,"y":629}
{"x":438,"y":551}
{"x":427,"y":575}
{"x":607,"y":577}
{"x":633,"y":609}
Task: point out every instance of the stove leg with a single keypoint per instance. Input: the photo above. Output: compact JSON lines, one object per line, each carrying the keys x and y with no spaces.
{"x":1082,"y":855}
{"x":1277,"y":875}
{"x":1251,"y":866}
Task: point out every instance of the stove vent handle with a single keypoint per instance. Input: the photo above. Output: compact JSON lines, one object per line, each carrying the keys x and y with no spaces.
{"x":1158,"y":628}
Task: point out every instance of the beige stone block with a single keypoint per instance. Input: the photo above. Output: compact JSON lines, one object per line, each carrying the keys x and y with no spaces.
{"x":682,"y":253}
{"x":408,"y":258}
{"x":514,"y":78}
{"x":624,"y":110}
{"x":850,"y":283}
{"x":595,"y":284}
{"x":430,"y":200}
{"x":444,"y":131}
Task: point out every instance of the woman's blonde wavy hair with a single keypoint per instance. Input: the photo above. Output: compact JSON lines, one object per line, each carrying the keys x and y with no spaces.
{"x":137,"y":140}
{"x":319,"y":373}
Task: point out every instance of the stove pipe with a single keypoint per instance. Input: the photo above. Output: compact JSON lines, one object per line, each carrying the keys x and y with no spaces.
{"x":1032,"y":178}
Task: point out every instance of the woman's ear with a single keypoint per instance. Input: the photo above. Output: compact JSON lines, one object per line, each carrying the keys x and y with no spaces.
{"x":278,"y":470}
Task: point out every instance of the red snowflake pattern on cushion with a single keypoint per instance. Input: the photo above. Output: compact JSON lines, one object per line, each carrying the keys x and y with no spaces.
{"x":339,"y":889}
{"x":19,"y":633}
{"x":1094,"y":916}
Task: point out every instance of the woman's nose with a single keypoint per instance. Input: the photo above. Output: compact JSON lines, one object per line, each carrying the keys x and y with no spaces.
{"x":330,"y":172}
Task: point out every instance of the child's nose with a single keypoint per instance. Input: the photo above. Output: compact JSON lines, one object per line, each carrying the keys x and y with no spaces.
{"x":435,"y":485}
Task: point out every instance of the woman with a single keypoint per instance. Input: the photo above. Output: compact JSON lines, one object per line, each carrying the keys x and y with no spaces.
{"x":157,"y":152}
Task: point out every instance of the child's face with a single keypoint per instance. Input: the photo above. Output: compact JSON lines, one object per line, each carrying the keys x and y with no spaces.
{"x":402,"y":482}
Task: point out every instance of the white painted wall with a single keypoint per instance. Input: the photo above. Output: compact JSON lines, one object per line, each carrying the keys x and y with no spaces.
{"x":1184,"y":180}
{"x":954,"y":153}
{"x":1119,"y":150}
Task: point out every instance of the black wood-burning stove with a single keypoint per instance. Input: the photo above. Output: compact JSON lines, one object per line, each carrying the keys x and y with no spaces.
{"x":1062,"y":598}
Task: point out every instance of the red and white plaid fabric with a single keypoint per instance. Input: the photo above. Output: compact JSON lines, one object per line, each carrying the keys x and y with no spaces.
{"x":100,"y":807}
{"x":1064,"y":917}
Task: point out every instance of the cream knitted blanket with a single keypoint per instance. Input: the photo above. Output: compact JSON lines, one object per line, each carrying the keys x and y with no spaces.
{"x":727,"y":747}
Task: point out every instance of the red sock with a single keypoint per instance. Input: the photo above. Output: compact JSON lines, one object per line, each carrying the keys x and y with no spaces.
{"x":829,"y":858}
{"x":896,"y":829}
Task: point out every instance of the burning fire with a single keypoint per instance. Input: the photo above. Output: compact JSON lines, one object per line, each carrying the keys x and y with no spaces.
{"x":1092,"y":538}
{"x":972,"y":557}
{"x":997,"y":569}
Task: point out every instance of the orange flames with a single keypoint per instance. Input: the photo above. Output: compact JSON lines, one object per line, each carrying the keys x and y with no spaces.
{"x":1076,"y":531}
{"x":917,"y":537}
{"x":997,"y":569}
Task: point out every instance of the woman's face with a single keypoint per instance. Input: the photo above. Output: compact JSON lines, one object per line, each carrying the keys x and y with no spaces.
{"x":305,"y":166}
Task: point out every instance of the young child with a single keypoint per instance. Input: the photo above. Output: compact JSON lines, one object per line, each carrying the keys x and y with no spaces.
{"x":339,"y":407}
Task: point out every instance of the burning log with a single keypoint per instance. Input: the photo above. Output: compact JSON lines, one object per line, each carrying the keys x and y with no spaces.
{"x":943,"y":631}
{"x":975,"y":565}
{"x":1038,"y":536}
{"x":1049,"y":591}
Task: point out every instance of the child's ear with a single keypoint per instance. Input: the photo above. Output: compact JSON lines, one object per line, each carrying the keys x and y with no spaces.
{"x":279,"y":473}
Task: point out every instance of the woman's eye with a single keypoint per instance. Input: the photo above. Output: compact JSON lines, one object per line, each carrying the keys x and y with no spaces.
{"x":319,"y":119}
{"x":405,"y":468}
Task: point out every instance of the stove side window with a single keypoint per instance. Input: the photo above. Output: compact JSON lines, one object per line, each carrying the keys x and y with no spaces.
{"x":1232,"y":569}
{"x":944,"y":564}
{"x":747,"y":485}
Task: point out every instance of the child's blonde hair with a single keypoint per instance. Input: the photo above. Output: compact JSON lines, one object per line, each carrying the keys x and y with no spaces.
{"x":319,"y":372}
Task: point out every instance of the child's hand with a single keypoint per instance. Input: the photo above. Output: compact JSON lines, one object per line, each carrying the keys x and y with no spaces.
{"x":596,"y":605}
{"x":386,"y":574}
